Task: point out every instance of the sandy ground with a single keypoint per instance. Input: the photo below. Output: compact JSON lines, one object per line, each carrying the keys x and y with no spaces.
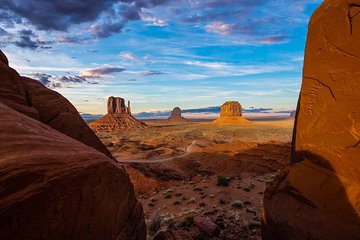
{"x":174,"y":169}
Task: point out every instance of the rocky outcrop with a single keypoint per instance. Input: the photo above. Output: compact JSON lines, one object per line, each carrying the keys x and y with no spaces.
{"x":319,"y":198}
{"x":116,"y":105}
{"x":176,"y":118}
{"x":207,"y":226}
{"x":52,"y":185}
{"x":231,"y":114}
{"x":118,"y":119}
{"x":31,"y":98}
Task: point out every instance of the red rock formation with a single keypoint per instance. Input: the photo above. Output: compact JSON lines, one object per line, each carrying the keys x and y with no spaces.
{"x":231,"y":114}
{"x":176,"y":118}
{"x":118,"y":119}
{"x":35,"y":100}
{"x":52,"y":185}
{"x":319,"y":198}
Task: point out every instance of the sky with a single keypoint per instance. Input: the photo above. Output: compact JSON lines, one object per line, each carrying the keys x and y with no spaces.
{"x":160,"y":53}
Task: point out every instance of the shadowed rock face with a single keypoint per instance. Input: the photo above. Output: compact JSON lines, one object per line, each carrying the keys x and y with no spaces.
{"x":231,"y":109}
{"x":31,"y":98}
{"x":320,"y":196}
{"x":176,"y":117}
{"x":53,"y":186}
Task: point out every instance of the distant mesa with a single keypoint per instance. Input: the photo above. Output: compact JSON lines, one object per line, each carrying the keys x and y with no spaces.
{"x":176,"y":118}
{"x":292,"y":115}
{"x":118,"y":119}
{"x":231,"y":114}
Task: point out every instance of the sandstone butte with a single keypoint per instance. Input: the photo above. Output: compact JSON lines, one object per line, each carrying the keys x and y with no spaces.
{"x":231,"y":114}
{"x":176,"y":118}
{"x":118,"y":118}
{"x":57,"y":179}
{"x":319,"y":197}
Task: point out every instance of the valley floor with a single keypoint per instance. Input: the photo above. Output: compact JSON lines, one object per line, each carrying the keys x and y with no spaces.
{"x":175,"y":170}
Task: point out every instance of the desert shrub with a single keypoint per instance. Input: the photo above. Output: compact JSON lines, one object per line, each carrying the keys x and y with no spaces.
{"x":187,"y":221}
{"x":167,"y":196}
{"x":248,"y":187}
{"x":222,"y":201}
{"x":222,"y":181}
{"x":155,"y":224}
{"x":176,"y":203}
{"x":202,"y":204}
{"x":237,"y":204}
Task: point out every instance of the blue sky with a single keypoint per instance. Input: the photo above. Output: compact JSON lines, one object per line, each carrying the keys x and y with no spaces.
{"x":160,"y":53}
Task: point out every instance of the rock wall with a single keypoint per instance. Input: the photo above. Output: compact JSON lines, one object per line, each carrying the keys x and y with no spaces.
{"x":52,"y":185}
{"x":319,"y":198}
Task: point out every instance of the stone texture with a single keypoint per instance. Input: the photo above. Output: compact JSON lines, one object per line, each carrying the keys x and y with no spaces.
{"x":118,"y":119}
{"x":207,"y":226}
{"x":319,"y":198}
{"x":56,"y":185}
{"x":35,"y":100}
{"x":231,"y":114}
{"x":176,"y":118}
{"x":231,"y":109}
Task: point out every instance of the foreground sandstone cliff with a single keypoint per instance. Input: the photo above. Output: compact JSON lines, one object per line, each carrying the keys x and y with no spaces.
{"x":319,"y":198}
{"x":55,"y":182}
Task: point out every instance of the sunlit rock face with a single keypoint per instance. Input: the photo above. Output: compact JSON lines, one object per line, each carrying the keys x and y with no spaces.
{"x":231,"y":109}
{"x":231,"y":114}
{"x":56,"y":180}
{"x":116,"y":105}
{"x":176,"y":117}
{"x":319,"y":198}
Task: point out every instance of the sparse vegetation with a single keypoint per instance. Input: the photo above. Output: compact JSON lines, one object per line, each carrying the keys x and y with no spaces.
{"x":237,"y":204}
{"x":187,"y":221}
{"x":155,"y":224}
{"x":200,"y":236}
{"x":167,"y":196}
{"x":176,"y":203}
{"x":248,"y":187}
{"x":202,"y":204}
{"x":222,"y":181}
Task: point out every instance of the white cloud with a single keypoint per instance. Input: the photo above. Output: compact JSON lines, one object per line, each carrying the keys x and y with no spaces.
{"x":128,"y":55}
{"x":219,"y":27}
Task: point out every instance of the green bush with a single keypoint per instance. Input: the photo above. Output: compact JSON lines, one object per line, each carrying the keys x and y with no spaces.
{"x":223,"y":181}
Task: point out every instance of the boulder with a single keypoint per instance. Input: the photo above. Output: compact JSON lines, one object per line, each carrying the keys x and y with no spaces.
{"x":231,"y":114}
{"x":319,"y":198}
{"x":53,"y":185}
{"x":176,"y":118}
{"x":207,"y":226}
{"x":33,"y":99}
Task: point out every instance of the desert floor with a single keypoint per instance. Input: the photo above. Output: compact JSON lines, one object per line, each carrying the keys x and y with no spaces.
{"x":175,"y":169}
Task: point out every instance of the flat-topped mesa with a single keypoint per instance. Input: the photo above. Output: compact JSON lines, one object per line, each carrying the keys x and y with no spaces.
{"x":231,"y":114}
{"x":231,"y":108}
{"x":176,"y":117}
{"x":116,"y":105}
